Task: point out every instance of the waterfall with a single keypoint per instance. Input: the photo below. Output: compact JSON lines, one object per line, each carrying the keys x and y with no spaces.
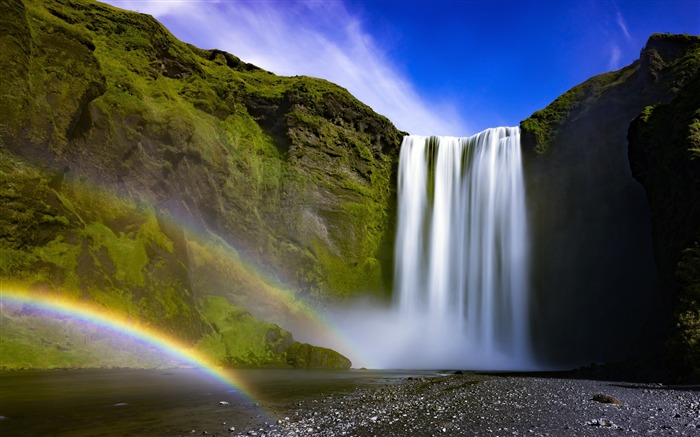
{"x":461,"y":249}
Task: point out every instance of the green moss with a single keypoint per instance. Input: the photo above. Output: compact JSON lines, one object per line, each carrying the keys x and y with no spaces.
{"x":239,"y":339}
{"x":684,"y":344}
{"x":305,"y":356}
{"x":151,"y":233}
{"x":543,"y":123}
{"x":126,"y":254}
{"x":694,"y":137}
{"x":646,"y":113}
{"x":16,"y":263}
{"x":658,"y":62}
{"x":120,"y":103}
{"x":32,"y":341}
{"x":345,"y":279}
{"x":663,"y":155}
{"x":175,"y":103}
{"x":63,"y":259}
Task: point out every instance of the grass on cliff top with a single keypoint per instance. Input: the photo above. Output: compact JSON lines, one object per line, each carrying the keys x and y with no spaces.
{"x":543,"y":124}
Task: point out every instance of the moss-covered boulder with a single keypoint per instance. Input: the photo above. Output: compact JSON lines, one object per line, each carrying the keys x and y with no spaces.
{"x":239,"y":339}
{"x":306,"y":356}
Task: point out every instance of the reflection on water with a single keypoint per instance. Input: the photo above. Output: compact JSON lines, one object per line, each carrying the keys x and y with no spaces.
{"x":127,"y":402}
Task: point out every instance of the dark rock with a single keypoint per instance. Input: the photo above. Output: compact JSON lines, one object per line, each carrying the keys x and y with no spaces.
{"x":600,"y":300}
{"x":664,"y":154}
{"x":606,"y":399}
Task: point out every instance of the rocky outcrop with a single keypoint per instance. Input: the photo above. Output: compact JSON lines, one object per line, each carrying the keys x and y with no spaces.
{"x":597,"y":294}
{"x":664,"y":153}
{"x":294,"y":172}
{"x":305,"y":356}
{"x":173,"y":144}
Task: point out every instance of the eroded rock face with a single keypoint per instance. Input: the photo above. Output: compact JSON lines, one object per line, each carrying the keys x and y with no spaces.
{"x":597,"y":294}
{"x":664,"y":153}
{"x":294,"y":174}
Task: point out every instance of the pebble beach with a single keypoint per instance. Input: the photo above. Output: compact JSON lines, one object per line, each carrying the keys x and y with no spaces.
{"x":494,"y":405}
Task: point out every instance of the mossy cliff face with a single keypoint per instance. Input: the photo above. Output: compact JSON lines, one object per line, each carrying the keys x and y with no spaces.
{"x":60,"y":237}
{"x":597,"y":294}
{"x":294,"y":173}
{"x":664,"y":152}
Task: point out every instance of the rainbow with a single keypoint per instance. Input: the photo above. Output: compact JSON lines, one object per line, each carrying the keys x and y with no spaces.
{"x":99,"y":317}
{"x":313,"y":326}
{"x":319,"y":330}
{"x":274,"y":290}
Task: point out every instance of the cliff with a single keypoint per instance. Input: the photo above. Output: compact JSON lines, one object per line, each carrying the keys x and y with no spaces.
{"x":129,"y":157}
{"x":664,"y":153}
{"x":599,"y":295}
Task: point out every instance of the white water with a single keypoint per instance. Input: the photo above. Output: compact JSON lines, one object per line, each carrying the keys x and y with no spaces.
{"x":461,"y":282}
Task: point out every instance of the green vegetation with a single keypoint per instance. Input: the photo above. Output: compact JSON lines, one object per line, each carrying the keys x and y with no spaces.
{"x":57,"y":241}
{"x":85,"y":244}
{"x":684,"y":344}
{"x":113,"y":131}
{"x":543,"y":123}
{"x":542,"y":127}
{"x":34,"y":341}
{"x":305,"y":356}
{"x":664,"y":158}
{"x":239,"y":339}
{"x":250,"y":154}
{"x":159,"y":108}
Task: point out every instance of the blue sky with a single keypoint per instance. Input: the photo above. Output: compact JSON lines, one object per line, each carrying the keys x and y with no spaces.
{"x":432,"y":67}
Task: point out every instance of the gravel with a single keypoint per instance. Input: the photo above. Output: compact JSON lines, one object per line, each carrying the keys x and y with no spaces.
{"x":495,"y":405}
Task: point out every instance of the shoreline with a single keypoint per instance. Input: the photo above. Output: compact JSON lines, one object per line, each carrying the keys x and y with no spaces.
{"x":494,"y":404}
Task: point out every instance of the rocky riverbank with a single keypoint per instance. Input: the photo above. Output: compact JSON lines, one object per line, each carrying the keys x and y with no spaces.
{"x":477,"y":404}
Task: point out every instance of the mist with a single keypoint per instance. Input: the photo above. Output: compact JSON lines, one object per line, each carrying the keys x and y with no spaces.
{"x":375,"y":336}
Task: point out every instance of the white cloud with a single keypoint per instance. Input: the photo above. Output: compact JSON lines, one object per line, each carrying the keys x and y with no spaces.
{"x":615,"y":56}
{"x":623,"y":26}
{"x":157,"y":8}
{"x":320,"y":39}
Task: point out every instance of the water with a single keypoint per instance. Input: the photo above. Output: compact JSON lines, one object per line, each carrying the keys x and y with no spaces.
{"x":461,"y":252}
{"x":461,"y":259}
{"x":128,"y":402}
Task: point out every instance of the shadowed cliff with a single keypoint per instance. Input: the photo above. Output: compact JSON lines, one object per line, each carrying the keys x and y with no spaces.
{"x":597,"y":290}
{"x":664,"y":152}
